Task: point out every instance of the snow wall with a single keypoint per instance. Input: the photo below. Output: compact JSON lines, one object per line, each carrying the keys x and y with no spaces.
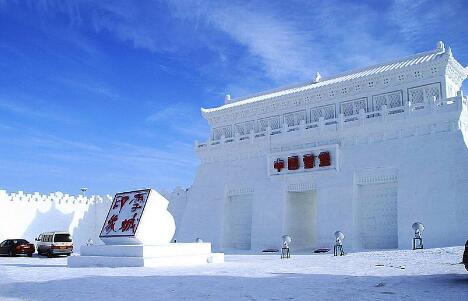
{"x":25,"y":215}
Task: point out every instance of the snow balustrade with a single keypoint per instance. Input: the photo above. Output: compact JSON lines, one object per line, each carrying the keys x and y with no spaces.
{"x":385,"y":114}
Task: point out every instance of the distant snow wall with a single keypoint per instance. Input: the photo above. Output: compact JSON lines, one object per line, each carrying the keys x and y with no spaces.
{"x":26,"y":215}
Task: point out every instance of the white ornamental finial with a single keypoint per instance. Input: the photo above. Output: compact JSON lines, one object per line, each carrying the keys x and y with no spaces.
{"x":440,"y":46}
{"x":449,"y":52}
{"x":317,"y":78}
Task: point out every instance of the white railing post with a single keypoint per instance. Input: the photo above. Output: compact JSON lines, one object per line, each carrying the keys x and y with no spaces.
{"x":433,"y":104}
{"x":321,"y":123}
{"x":302,"y":125}
{"x":362,"y":116}
{"x":408,"y":109}
{"x":384,"y":111}
{"x":341,"y":120}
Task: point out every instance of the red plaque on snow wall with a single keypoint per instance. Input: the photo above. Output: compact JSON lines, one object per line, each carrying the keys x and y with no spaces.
{"x":293,"y":163}
{"x":279,"y":164}
{"x":324,"y":158}
{"x":308,"y":160}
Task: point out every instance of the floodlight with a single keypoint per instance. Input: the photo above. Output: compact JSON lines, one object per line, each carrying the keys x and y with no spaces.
{"x":338,"y":248}
{"x":417,"y":239}
{"x":285,"y":249}
{"x":286,"y":239}
{"x":418,"y":229}
{"x":339,"y":236}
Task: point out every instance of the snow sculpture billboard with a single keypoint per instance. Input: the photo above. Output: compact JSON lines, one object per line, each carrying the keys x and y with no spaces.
{"x":138,"y":217}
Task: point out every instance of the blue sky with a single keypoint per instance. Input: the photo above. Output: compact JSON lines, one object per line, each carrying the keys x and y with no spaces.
{"x":106,"y":94}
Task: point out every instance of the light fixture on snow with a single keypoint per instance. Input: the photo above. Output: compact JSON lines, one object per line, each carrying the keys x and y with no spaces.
{"x":417,"y":239}
{"x":339,"y":237}
{"x":285,"y":248}
{"x":199,"y":240}
{"x":83,"y":190}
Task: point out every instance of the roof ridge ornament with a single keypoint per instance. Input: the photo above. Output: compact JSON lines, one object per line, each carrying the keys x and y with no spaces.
{"x":227,"y":98}
{"x":449,"y":52}
{"x":440,"y":46}
{"x":317,"y":78}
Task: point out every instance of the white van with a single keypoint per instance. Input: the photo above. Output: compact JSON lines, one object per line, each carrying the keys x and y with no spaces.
{"x":54,"y":243}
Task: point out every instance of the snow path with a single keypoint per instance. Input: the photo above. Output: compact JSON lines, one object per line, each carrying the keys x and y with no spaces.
{"x":379,"y":275}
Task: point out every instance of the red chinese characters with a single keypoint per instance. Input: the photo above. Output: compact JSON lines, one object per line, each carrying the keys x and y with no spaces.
{"x":293,"y":162}
{"x":324,"y":159}
{"x":125,"y":213}
{"x":136,"y":207}
{"x":139,"y":197}
{"x":305,"y":162}
{"x":128,"y":224}
{"x":308,"y":161}
{"x":279,"y":164}
{"x":124,"y":199}
{"x":111,"y":223}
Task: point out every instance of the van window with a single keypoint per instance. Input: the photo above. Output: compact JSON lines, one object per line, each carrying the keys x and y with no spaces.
{"x":62,"y":238}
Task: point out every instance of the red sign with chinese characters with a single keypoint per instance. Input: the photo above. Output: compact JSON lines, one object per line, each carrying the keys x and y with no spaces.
{"x":278,"y":165}
{"x":125,"y":213}
{"x":325,"y":159}
{"x":306,"y":161}
{"x":293,"y":162}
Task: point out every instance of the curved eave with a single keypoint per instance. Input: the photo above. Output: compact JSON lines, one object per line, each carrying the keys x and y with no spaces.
{"x":400,"y":63}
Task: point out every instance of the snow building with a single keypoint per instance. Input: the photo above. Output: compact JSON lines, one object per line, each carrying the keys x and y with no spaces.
{"x":368,"y":152}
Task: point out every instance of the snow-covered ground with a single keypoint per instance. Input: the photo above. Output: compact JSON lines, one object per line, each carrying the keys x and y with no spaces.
{"x":379,"y":275}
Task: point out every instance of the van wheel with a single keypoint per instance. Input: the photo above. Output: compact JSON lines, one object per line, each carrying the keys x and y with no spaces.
{"x":49,"y":254}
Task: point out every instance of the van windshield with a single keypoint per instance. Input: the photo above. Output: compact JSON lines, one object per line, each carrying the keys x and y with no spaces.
{"x":62,"y":238}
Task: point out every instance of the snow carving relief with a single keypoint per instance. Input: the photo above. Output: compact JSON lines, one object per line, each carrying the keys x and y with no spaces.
{"x":295,"y":118}
{"x":327,"y":112}
{"x":353,"y":107}
{"x":391,"y":100}
{"x":419,"y":95}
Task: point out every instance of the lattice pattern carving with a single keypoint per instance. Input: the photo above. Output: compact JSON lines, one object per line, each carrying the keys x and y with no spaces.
{"x":379,"y":101}
{"x":295,"y":118}
{"x":353,"y":107}
{"x":426,"y":93}
{"x":327,"y":112}
{"x":432,"y":92}
{"x":391,"y":100}
{"x":416,"y":96}
{"x":245,"y":128}
{"x":220,"y":131}
{"x":273,"y":122}
{"x":395,"y":100}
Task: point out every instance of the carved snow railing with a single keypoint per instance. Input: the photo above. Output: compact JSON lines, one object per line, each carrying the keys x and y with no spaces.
{"x":452,"y":104}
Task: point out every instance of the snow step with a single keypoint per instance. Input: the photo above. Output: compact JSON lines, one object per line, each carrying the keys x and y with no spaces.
{"x":108,"y":261}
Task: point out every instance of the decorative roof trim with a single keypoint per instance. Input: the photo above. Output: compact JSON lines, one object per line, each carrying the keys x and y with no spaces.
{"x":411,"y":60}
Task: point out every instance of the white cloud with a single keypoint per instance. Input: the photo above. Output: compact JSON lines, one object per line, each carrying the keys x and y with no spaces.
{"x":295,"y":41}
{"x":181,"y":117}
